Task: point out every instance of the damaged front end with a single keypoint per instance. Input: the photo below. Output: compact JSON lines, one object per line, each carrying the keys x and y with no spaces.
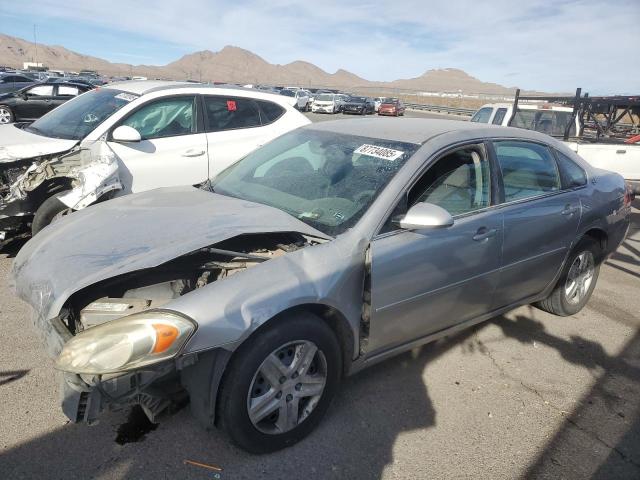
{"x":80,"y":176}
{"x":136,"y":377}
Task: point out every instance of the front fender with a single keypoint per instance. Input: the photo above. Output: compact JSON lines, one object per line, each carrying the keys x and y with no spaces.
{"x":228,"y":311}
{"x":94,"y":178}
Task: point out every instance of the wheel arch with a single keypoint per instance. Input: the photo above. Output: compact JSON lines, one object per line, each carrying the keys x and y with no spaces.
{"x":49,"y":187}
{"x":599,"y":236}
{"x":203,"y":379}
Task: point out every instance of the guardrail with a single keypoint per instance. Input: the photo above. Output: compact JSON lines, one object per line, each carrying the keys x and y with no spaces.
{"x":441,"y":108}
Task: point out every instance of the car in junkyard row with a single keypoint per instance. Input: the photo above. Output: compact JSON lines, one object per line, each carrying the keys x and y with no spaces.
{"x":33,"y":102}
{"x":128,"y":137}
{"x":11,"y":81}
{"x":359,"y":105}
{"x":325,"y":251}
{"x":391,"y":106}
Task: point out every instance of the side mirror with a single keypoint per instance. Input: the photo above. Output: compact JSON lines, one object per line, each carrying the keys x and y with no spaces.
{"x":426,"y":215}
{"x":125,"y":133}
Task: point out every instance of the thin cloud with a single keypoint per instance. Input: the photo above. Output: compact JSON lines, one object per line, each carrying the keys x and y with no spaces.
{"x":547,"y":45}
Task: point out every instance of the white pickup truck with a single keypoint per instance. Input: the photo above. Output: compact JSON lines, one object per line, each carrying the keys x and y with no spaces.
{"x":609,"y":154}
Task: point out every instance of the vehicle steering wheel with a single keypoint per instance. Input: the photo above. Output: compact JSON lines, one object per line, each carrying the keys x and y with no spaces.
{"x":90,"y":118}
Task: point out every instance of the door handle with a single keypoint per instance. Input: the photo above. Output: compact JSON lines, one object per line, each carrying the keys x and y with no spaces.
{"x":484,"y":233}
{"x":192,"y":152}
{"x":569,"y":210}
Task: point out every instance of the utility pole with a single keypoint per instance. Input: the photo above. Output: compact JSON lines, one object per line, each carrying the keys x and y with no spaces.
{"x":35,"y":45}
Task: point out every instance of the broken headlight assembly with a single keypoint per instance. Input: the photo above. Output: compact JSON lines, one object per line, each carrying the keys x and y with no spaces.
{"x":127,"y":343}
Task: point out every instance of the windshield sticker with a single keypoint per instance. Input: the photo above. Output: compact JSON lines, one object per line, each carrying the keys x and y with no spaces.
{"x":379,"y":152}
{"x":127,"y":97}
{"x":231,"y":105}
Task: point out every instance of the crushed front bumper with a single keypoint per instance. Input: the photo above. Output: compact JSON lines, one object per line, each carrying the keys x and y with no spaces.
{"x":85,"y":397}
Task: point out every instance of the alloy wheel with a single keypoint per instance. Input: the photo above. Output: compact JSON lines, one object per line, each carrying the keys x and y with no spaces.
{"x":579,"y":277}
{"x":5,"y":115}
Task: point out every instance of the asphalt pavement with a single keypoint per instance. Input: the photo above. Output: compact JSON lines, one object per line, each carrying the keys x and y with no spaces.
{"x":525,"y":395}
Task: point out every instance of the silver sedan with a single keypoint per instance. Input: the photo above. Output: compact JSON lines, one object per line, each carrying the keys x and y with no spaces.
{"x":327,"y":250}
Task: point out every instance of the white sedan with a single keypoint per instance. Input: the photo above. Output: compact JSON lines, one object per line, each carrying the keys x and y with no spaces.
{"x":129,"y":137}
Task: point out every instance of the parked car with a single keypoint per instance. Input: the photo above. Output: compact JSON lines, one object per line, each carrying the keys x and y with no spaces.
{"x":298,"y":98}
{"x":327,"y":250}
{"x":325,"y":103}
{"x":128,"y":137}
{"x":377,"y":102}
{"x":11,"y":82}
{"x":391,"y":106}
{"x":341,"y":99}
{"x":359,"y":105}
{"x":83,"y":81}
{"x":34,"y":101}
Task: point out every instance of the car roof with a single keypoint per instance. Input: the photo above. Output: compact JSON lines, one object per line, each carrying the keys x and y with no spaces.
{"x":144,"y":87}
{"x":408,"y":130}
{"x":531,"y":106}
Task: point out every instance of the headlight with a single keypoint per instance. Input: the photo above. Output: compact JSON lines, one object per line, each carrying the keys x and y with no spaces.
{"x":126,"y":343}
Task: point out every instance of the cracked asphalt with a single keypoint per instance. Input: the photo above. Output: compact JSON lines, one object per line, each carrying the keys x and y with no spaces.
{"x":525,"y":395}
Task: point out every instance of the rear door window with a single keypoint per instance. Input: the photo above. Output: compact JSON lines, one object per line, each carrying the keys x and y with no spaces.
{"x":499,"y":117}
{"x":67,"y":91}
{"x":231,"y":113}
{"x":528,"y":169}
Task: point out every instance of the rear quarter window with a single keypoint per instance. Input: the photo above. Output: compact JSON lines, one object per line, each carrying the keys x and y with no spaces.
{"x":572,"y":174}
{"x":269,"y":111}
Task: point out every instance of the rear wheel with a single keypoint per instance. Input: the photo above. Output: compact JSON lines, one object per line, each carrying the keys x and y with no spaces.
{"x":279,"y":384}
{"x":6,"y":114}
{"x":577,"y":282}
{"x":51,"y":208}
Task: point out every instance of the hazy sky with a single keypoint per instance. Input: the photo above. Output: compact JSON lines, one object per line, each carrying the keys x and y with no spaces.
{"x":537,"y":44}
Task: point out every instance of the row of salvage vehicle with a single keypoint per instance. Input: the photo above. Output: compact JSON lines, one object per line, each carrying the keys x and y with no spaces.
{"x":280,"y":255}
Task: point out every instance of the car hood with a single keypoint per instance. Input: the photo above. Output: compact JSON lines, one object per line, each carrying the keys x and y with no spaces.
{"x":354,"y":104}
{"x":18,"y":144}
{"x":131,"y":233}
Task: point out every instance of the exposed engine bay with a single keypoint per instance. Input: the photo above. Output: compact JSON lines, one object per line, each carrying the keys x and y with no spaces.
{"x":87,"y":395}
{"x":84,"y":174}
{"x":153,"y":288}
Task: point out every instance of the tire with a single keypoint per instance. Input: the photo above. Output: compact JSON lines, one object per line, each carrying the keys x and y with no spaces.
{"x":6,"y":115}
{"x":243,"y":382}
{"x":560,"y":301}
{"x":47,"y":211}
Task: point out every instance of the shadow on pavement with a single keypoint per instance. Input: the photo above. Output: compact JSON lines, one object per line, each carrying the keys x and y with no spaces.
{"x":11,"y":376}
{"x":600,"y":439}
{"x":354,"y":441}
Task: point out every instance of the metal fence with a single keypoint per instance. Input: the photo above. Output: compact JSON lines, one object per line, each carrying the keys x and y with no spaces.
{"x":441,"y":108}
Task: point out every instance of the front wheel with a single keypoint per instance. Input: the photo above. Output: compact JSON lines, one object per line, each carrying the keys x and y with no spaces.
{"x":577,"y":281}
{"x":279,"y":384}
{"x":51,"y":208}
{"x":6,"y":115}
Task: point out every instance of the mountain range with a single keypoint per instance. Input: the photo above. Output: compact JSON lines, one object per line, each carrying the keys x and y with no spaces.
{"x":236,"y":65}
